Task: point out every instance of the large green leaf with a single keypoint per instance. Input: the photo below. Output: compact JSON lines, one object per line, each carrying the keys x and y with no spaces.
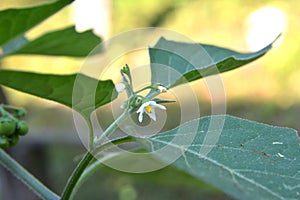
{"x":77,"y":91}
{"x":66,"y":42}
{"x":248,"y":161}
{"x":174,"y":63}
{"x":15,"y":22}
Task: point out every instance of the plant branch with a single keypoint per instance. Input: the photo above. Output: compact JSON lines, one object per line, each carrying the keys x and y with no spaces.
{"x":91,"y":135}
{"x":27,"y":178}
{"x":111,"y":128}
{"x":96,"y":147}
{"x":76,"y":175}
{"x":94,"y":166}
{"x":72,"y":185}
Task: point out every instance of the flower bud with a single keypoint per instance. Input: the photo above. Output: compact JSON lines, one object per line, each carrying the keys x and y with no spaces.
{"x":137,"y":101}
{"x":22,"y":128}
{"x":126,"y":70}
{"x":120,"y":87}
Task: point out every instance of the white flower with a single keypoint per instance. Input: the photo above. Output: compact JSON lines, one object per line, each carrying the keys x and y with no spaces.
{"x":149,"y":109}
{"x":162,"y":89}
{"x":120,"y":87}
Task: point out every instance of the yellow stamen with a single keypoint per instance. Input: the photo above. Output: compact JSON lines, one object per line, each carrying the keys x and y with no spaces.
{"x":148,"y":109}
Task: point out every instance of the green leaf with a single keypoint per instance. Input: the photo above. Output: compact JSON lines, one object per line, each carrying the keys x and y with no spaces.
{"x":15,"y":22}
{"x":174,"y":63}
{"x":66,"y":42}
{"x":76,"y":91}
{"x":248,"y":160}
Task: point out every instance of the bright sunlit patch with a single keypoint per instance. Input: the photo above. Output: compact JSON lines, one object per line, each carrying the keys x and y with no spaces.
{"x":263,"y":26}
{"x":93,"y":14}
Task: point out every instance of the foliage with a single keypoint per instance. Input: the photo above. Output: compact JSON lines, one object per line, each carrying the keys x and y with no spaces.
{"x":248,"y":157}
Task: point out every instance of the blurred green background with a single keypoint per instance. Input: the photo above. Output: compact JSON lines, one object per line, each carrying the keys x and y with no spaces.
{"x":266,"y":90}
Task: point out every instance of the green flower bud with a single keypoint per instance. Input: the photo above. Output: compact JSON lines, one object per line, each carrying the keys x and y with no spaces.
{"x":137,"y":101}
{"x":126,"y":70}
{"x":22,"y":128}
{"x":7,"y":126}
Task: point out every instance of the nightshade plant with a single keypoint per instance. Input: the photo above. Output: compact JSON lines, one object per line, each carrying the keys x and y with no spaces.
{"x":249,"y":161}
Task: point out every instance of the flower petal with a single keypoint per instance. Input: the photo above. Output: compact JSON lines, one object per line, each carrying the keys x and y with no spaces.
{"x":152,"y":115}
{"x":162,"y":89}
{"x":160,"y":107}
{"x":141,"y":117}
{"x":141,"y":108}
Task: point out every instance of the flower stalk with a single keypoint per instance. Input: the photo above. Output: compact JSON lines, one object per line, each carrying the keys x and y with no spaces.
{"x":135,"y":101}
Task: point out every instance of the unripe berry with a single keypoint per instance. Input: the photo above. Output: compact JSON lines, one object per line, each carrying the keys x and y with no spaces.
{"x":7,"y":126}
{"x":22,"y":128}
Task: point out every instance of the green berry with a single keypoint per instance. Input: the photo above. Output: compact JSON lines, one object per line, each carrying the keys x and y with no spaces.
{"x":7,"y":126}
{"x":13,"y":140}
{"x":4,"y":142}
{"x":22,"y":128}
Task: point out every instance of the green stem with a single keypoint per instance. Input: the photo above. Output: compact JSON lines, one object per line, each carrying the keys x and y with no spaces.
{"x":11,"y":107}
{"x":94,"y":166}
{"x":145,"y":88}
{"x":72,"y":185}
{"x":88,"y":157}
{"x":73,"y":180}
{"x":96,"y":147}
{"x":112,"y":143}
{"x":76,"y":175}
{"x":4,"y":113}
{"x":91,"y":134}
{"x":152,"y":94}
{"x":40,"y":189}
{"x":111,"y":128}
